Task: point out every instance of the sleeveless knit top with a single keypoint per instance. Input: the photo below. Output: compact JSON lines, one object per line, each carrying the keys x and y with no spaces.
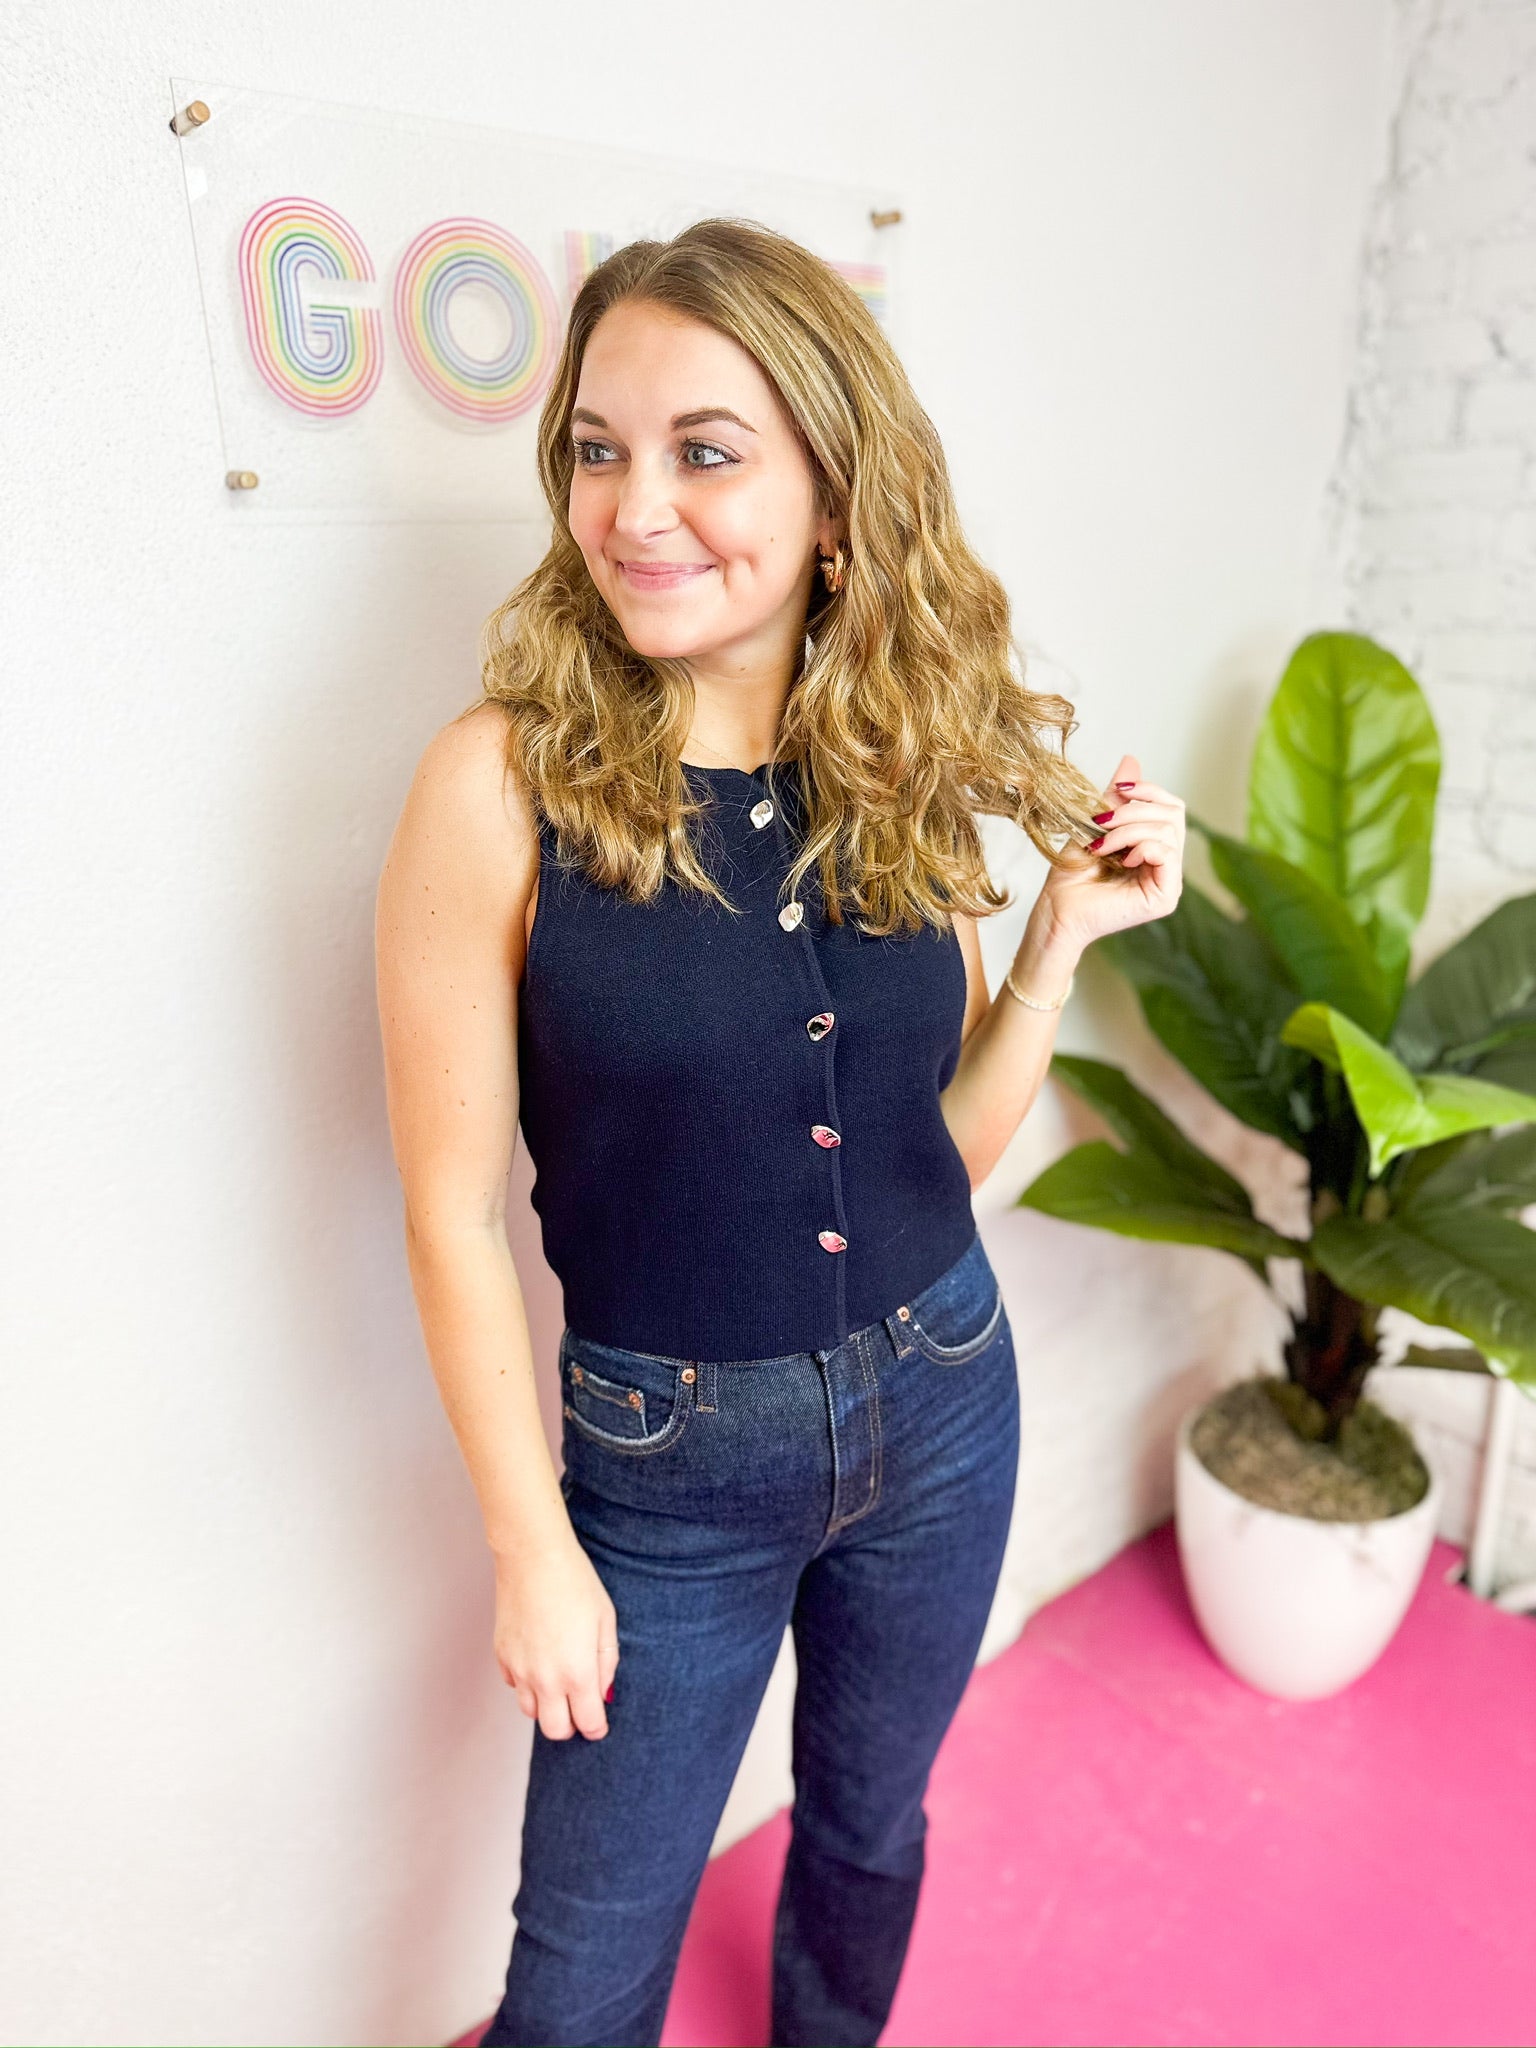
{"x":734,"y":1122}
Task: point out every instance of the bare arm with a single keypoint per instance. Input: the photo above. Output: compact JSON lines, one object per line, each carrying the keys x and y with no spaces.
{"x":1135,"y":875}
{"x":1007,"y":1047}
{"x":450,"y":936}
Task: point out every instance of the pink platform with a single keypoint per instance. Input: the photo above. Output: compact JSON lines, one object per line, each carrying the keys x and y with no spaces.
{"x":1128,"y":1845}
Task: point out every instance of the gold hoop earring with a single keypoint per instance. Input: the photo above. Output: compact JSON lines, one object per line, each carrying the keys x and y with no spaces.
{"x":834,"y":568}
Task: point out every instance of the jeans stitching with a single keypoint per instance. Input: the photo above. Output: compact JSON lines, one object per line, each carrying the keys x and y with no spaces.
{"x":670,"y":1431}
{"x":596,"y":1388}
{"x":958,"y":1354}
{"x":569,"y":1342}
{"x":872,"y":1372}
{"x":833,"y":1524}
{"x":859,"y":1339}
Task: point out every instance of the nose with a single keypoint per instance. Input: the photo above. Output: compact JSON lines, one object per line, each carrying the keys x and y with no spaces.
{"x":644,"y":509}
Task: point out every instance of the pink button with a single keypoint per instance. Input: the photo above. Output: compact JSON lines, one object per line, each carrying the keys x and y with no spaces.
{"x":825,"y":1135}
{"x":830,"y":1241}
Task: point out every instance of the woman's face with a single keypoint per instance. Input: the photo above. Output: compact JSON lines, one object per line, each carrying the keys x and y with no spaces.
{"x":691,"y":501}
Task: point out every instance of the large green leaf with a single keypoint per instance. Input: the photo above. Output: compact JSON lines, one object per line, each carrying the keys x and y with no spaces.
{"x":1319,"y":944}
{"x":1343,"y":782}
{"x":1458,"y":1269}
{"x":1476,"y":1171}
{"x":1136,"y":1195}
{"x":1399,"y":1110}
{"x":1446,"y":1357}
{"x":1474,"y":1008}
{"x":1145,"y":1128}
{"x":1160,"y":1187}
{"x":1217,"y":997}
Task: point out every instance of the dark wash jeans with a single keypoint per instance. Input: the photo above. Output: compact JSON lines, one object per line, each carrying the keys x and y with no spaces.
{"x":859,"y":1495}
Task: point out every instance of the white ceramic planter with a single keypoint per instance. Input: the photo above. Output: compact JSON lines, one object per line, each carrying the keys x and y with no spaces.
{"x":1294,"y":1607}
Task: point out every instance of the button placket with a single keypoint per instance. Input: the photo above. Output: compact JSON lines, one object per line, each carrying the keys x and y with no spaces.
{"x":818,"y":1029}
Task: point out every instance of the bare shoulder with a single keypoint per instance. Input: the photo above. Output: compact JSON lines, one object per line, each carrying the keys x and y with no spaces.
{"x":467,"y":827}
{"x":449,"y":950}
{"x":463,"y":788}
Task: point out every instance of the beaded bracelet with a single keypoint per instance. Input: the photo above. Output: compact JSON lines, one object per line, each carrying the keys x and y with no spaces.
{"x":1029,"y":1001}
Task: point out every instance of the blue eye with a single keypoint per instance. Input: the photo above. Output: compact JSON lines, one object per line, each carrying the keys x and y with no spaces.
{"x":727,"y":460}
{"x":595,"y":454}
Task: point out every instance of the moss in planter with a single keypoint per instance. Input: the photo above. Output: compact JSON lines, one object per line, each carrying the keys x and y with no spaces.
{"x":1261,"y":1438}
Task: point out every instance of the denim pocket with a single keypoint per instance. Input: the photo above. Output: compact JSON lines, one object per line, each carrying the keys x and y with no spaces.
{"x":957,"y":1316}
{"x":631,"y":1401}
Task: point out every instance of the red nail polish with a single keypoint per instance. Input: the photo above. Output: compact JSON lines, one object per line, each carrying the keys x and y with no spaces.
{"x":608,"y":1695}
{"x":1125,"y":785}
{"x":1095,"y":844}
{"x":1102,"y":817}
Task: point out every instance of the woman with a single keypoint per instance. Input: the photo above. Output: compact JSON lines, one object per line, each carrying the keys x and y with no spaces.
{"x":691,"y":894}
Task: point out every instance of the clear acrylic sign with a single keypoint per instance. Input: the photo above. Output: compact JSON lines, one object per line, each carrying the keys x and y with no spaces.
{"x":385,"y":294}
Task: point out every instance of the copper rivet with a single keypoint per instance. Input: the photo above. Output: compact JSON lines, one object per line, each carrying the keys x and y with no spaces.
{"x":576,"y":1374}
{"x":568,"y":1408}
{"x":634,"y":1398}
{"x":905,"y":1314}
{"x":688,"y":1375}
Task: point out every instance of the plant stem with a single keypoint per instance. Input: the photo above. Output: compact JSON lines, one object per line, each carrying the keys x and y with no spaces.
{"x":1332,"y":1347}
{"x":1333,"y":1343}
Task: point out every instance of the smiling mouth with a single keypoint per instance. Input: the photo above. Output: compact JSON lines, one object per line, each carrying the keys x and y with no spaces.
{"x":663,"y":575}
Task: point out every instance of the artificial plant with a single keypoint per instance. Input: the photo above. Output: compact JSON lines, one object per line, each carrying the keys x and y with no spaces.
{"x":1411,"y":1103}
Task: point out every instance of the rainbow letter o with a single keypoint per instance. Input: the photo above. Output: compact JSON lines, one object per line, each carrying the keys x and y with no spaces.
{"x":321,"y":359}
{"x":442,"y":260}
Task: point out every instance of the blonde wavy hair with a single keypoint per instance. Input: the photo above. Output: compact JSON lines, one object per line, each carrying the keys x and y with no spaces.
{"x":907,"y":714}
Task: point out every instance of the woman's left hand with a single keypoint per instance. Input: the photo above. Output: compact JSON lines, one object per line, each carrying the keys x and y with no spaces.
{"x":1095,"y":893}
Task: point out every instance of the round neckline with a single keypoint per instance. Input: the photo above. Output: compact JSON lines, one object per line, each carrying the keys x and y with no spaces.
{"x":751,"y":774}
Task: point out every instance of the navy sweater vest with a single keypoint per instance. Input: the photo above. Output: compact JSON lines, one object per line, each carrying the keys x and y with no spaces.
{"x":734,"y":1122}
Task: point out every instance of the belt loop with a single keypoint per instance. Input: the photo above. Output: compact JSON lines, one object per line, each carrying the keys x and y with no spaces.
{"x":900,"y":1332}
{"x":704,"y":1392}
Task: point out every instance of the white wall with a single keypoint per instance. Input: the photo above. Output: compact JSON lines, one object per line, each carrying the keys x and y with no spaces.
{"x":1432,"y":532}
{"x":260,"y":1782}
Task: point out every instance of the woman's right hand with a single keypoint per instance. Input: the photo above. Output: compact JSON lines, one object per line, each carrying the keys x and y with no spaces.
{"x":557,"y":1637}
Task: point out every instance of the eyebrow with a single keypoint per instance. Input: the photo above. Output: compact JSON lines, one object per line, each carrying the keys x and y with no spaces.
{"x":682,"y":419}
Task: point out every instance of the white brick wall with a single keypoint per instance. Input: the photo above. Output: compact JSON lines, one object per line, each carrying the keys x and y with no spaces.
{"x":1433,"y":526}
